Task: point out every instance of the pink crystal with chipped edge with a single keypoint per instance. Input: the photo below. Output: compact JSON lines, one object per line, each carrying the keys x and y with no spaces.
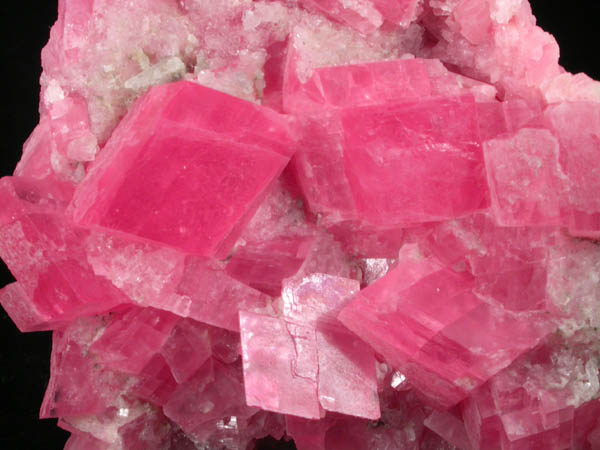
{"x":280,"y":365}
{"x":341,"y":366}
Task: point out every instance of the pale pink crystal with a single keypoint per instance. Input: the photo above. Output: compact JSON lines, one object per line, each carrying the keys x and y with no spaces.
{"x":346,"y":365}
{"x":85,"y":441}
{"x":360,"y":14}
{"x":347,"y":382}
{"x":525,"y":405}
{"x":577,"y":125}
{"x":204,"y":404}
{"x":526,"y":181}
{"x":509,"y":263}
{"x":280,"y":365}
{"x":206,"y":293}
{"x":313,"y":352}
{"x":450,"y":427}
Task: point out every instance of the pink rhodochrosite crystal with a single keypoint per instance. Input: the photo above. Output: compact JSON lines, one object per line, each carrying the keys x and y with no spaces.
{"x":394,"y":181}
{"x":416,"y":320}
{"x":357,"y":224}
{"x":210,"y":167}
{"x":340,"y":367}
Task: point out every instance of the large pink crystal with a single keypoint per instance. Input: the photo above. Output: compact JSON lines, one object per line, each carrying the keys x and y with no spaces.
{"x":430,"y":168}
{"x":357,"y":224}
{"x":343,"y":176}
{"x":219,"y":168}
{"x":439,"y":316}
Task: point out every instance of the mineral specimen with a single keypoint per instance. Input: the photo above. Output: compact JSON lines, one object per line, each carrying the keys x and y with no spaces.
{"x":357,"y":224}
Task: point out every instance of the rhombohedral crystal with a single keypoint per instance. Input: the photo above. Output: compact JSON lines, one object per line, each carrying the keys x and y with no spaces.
{"x":360,"y":225}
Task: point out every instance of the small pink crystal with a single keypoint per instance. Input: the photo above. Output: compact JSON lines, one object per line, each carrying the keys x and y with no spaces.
{"x":263,"y":265}
{"x":187,"y":348}
{"x":360,"y":15}
{"x":78,"y":384}
{"x":45,"y":253}
{"x":312,"y":347}
{"x":450,"y":427}
{"x":150,"y":431}
{"x":357,"y":85}
{"x":129,"y":342}
{"x":280,"y":365}
{"x":156,"y":383}
{"x":205,"y":404}
{"x":526,"y":180}
{"x":23,"y":312}
{"x":577,"y":126}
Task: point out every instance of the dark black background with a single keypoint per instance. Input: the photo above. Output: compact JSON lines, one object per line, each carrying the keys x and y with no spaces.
{"x":25,"y":25}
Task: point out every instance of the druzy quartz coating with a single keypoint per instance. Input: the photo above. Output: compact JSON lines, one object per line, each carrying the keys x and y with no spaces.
{"x":360,"y":225}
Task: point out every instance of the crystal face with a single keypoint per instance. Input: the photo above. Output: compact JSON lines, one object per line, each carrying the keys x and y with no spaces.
{"x":365,"y":224}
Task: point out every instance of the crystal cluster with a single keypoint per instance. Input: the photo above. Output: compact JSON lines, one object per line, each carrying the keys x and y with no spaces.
{"x":360,"y":225}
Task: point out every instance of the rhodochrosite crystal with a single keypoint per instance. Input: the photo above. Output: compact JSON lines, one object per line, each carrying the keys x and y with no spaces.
{"x":360,"y":225}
